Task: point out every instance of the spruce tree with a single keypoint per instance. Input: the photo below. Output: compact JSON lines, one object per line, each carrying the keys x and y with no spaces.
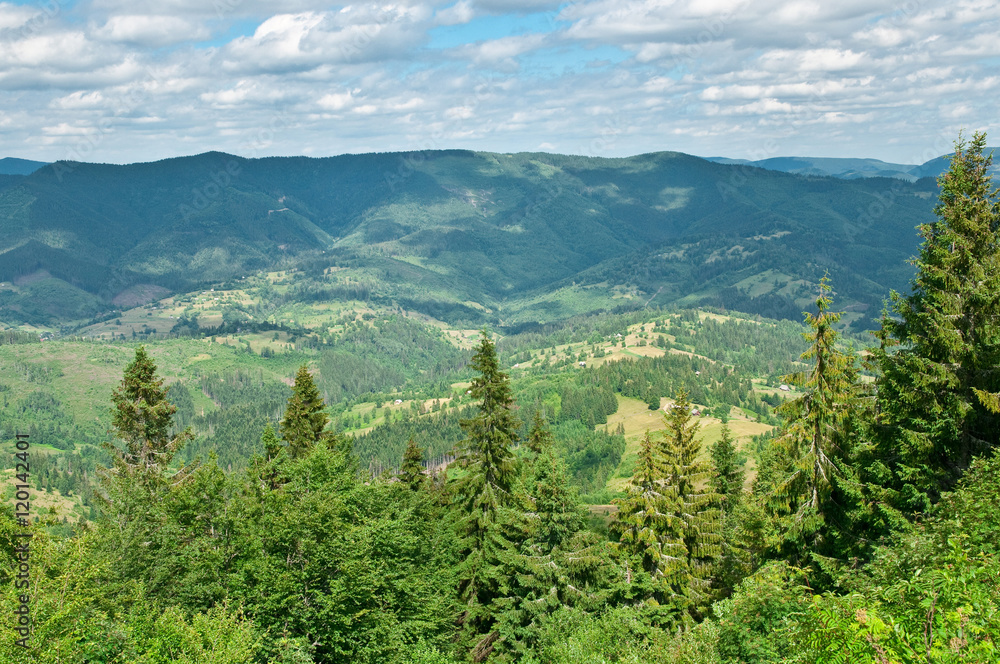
{"x":139,"y":485}
{"x":557,"y":510}
{"x":411,"y":473}
{"x":270,"y":467}
{"x":813,"y":451}
{"x":540,"y":437}
{"x":141,"y":419}
{"x":272,"y":446}
{"x":729,"y":472}
{"x":486,"y":499}
{"x":486,"y":451}
{"x":556,"y":560}
{"x":941,"y":344}
{"x":727,"y":480}
{"x":686,"y":475}
{"x":305,"y":419}
{"x":649,"y":528}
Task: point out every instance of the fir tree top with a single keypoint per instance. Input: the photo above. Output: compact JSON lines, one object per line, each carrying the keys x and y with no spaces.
{"x":141,"y":418}
{"x":305,"y":417}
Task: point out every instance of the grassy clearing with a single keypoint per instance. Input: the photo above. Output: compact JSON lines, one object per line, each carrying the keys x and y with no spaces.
{"x":636,"y":418}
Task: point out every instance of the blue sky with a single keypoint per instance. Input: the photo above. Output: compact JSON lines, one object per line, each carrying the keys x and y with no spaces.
{"x":138,"y":80}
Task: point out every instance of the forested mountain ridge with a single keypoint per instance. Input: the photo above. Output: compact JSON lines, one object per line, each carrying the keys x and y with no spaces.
{"x":534,"y":236}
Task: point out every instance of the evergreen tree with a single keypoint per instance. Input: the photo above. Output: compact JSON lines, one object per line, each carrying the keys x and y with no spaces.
{"x":941,"y":344}
{"x":272,"y":446}
{"x":728,"y":463}
{"x":557,"y":511}
{"x":412,"y":471}
{"x":694,"y":506}
{"x":649,"y":528}
{"x":141,"y":420}
{"x":139,"y":489}
{"x":485,"y":496}
{"x":270,"y":468}
{"x":558,"y":561}
{"x":813,"y":451}
{"x":540,"y":437}
{"x":305,"y":419}
{"x":486,"y":452}
{"x":727,"y":481}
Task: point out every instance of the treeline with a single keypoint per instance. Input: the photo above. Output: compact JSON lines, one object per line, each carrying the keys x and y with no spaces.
{"x":11,"y":337}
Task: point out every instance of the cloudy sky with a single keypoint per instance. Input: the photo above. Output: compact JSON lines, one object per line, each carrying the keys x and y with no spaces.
{"x":138,"y":80}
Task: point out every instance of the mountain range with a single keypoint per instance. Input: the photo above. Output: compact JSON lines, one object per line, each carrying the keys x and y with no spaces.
{"x":464,"y":236}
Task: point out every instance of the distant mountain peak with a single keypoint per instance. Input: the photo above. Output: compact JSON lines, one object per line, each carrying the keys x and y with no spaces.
{"x":16,"y":166}
{"x":847,"y":168}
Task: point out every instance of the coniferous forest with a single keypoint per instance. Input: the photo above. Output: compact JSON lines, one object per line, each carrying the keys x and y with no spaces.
{"x":862,"y":528}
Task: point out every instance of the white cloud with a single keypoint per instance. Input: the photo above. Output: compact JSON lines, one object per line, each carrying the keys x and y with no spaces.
{"x":295,"y":42}
{"x":15,"y":16}
{"x":335,"y":101}
{"x":702,"y":76}
{"x":150,"y":30}
{"x":459,"y":13}
{"x":80,"y":100}
{"x":503,"y":51}
{"x":460,"y":112}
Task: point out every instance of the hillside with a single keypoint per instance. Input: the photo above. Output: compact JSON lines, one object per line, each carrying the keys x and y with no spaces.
{"x":463,"y":236}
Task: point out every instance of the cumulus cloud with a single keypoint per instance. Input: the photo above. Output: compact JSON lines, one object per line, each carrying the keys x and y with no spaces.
{"x":151,"y":30}
{"x":290,"y":42}
{"x":15,"y":16}
{"x":256,"y":77}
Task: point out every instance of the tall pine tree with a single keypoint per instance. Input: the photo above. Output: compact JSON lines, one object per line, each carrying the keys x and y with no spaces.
{"x":814,"y":450}
{"x":686,"y":474}
{"x":556,"y":562}
{"x":305,"y":419}
{"x":411,"y":473}
{"x":139,"y":487}
{"x":485,"y":497}
{"x":649,"y":529}
{"x":729,"y":472}
{"x":941,"y":344}
{"x":142,"y":419}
